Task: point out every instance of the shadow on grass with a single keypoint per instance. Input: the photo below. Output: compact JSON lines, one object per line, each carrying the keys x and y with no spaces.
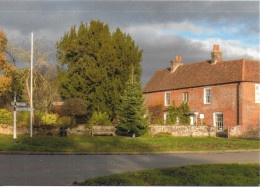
{"x":43,"y":143}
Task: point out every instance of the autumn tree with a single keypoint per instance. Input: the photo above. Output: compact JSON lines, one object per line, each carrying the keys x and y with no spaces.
{"x":44,"y":82}
{"x":6,"y":69}
{"x":95,"y":65}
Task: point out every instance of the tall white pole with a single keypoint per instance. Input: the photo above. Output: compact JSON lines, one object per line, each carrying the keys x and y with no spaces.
{"x":31,"y":103}
{"x":14,"y":117}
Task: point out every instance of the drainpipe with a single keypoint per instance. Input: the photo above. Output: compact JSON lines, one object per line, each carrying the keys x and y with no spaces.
{"x":238,"y":122}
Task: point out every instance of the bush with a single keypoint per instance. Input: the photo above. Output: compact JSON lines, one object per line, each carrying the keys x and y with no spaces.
{"x":23,"y":117}
{"x":66,"y":121}
{"x":5,"y":116}
{"x":49,"y":119}
{"x":180,"y":112}
{"x":74,"y":107}
{"x":37,"y":117}
{"x":156,"y":114}
{"x":99,"y":118}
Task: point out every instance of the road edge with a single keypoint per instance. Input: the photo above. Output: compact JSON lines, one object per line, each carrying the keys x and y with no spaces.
{"x":125,"y":153}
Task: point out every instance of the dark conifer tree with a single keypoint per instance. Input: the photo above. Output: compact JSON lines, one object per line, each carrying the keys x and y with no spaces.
{"x":96,"y":66}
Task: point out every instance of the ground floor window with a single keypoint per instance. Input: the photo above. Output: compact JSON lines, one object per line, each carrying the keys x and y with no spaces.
{"x":219,"y":121}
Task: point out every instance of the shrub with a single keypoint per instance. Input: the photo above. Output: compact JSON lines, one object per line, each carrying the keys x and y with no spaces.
{"x":5,"y":116}
{"x":183,"y":110}
{"x":180,"y":112}
{"x":173,"y":113}
{"x":74,"y":107}
{"x":156,"y":114}
{"x":23,"y":117}
{"x":49,"y":119}
{"x":66,"y":121}
{"x":99,"y":118}
{"x":37,"y":117}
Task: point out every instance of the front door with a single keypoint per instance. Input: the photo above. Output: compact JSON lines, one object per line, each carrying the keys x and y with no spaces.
{"x":192,"y":119}
{"x":218,"y":121}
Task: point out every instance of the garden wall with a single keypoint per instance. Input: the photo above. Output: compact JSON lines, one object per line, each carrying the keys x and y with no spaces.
{"x":43,"y":129}
{"x":52,"y":130}
{"x":184,"y":130}
{"x":236,"y":132}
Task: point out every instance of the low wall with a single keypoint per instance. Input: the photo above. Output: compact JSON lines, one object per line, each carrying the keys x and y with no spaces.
{"x":236,"y":132}
{"x":77,"y":130}
{"x":9,"y":129}
{"x":184,"y":130}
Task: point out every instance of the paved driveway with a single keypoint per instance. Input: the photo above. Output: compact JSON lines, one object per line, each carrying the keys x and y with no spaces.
{"x":65,"y":169}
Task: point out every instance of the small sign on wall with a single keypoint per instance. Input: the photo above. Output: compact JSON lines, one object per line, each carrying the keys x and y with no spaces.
{"x":201,"y":116}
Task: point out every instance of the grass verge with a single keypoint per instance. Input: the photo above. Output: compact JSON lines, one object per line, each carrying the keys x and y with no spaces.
{"x":194,"y":175}
{"x":121,"y":144}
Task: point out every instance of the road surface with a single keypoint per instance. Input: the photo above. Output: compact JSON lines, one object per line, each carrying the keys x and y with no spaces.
{"x":65,"y":169}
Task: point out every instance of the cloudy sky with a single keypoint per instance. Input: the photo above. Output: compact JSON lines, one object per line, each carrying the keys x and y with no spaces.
{"x":161,"y":28}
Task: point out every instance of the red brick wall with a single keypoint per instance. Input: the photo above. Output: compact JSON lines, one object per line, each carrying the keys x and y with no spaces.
{"x":249,"y":110}
{"x":224,"y":99}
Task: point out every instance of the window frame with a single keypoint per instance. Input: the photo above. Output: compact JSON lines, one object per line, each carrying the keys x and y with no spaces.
{"x":166,"y":100}
{"x":185,"y":96}
{"x":214,"y":122}
{"x":257,"y":93}
{"x":205,"y":96}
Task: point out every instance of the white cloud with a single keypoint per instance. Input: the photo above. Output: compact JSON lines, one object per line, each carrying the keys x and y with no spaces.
{"x":159,"y":29}
{"x":231,"y":48}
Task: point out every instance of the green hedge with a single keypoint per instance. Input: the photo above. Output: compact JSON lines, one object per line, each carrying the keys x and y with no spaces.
{"x":5,"y":116}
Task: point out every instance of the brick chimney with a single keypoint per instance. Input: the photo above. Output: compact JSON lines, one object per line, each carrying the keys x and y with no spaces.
{"x":176,"y":63}
{"x":216,"y":55}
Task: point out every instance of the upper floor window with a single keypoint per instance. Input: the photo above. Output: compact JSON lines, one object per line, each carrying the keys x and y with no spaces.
{"x":257,"y":93}
{"x":207,"y":95}
{"x":185,"y":96}
{"x":167,"y":99}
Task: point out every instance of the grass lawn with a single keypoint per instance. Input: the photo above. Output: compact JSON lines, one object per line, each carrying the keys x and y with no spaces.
{"x":194,"y":175}
{"x":121,"y":144}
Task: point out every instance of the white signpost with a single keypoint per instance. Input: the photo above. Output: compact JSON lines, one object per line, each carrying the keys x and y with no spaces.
{"x":18,"y":104}
{"x":24,"y":109}
{"x":15,"y":104}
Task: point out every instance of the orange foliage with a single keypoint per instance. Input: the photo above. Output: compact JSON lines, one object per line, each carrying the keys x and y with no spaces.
{"x":6,"y":69}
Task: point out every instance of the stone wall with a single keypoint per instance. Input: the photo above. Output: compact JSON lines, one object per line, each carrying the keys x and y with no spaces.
{"x":184,"y":130}
{"x":79,"y":130}
{"x":51,"y":130}
{"x":236,"y":132}
{"x":9,"y":129}
{"x":43,"y":129}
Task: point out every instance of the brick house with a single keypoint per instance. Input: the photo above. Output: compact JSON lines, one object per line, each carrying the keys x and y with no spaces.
{"x":223,"y":93}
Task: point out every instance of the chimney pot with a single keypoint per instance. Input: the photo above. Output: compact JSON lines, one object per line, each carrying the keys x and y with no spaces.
{"x":214,"y":48}
{"x":216,"y":55}
{"x":176,"y":63}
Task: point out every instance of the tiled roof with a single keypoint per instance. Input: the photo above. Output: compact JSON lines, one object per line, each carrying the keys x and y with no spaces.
{"x":204,"y":74}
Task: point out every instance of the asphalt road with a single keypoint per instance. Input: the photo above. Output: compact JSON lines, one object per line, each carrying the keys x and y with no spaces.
{"x":65,"y":169}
